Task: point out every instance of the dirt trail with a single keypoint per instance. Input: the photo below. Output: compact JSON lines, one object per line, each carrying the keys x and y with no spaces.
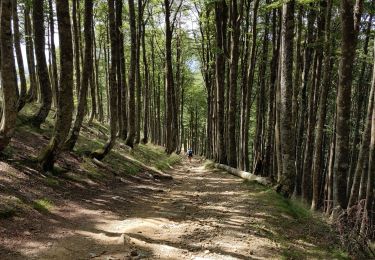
{"x":202,"y":214}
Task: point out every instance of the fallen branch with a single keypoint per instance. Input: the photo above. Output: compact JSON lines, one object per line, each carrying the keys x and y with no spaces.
{"x":244,"y":175}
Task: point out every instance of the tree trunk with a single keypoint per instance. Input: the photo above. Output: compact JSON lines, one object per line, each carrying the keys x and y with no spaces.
{"x":322,"y":109}
{"x":364,"y":151}
{"x":171,"y":115}
{"x":131,"y":81}
{"x":8,"y":78}
{"x":76,"y":46}
{"x":17,"y":47}
{"x":221,"y":23}
{"x":87,"y":68}
{"x":146,"y":88}
{"x":65,"y":90}
{"x":369,"y":214}
{"x":342,"y":155}
{"x":101,"y":153}
{"x":33,"y":89}
{"x":54,"y":76}
{"x":286,"y":183}
{"x":44,"y":81}
{"x":235,"y":19}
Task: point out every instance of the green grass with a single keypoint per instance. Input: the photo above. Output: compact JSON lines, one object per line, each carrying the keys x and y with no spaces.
{"x":42,"y":205}
{"x":301,"y":233}
{"x":51,"y":181}
{"x":166,"y":163}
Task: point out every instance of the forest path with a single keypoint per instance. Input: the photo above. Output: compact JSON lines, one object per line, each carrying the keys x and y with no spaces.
{"x":202,"y":214}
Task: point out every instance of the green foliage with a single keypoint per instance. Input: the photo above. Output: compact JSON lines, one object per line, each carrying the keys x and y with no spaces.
{"x":42,"y":205}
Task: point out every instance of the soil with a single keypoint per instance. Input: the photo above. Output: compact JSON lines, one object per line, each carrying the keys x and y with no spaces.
{"x":200,"y":214}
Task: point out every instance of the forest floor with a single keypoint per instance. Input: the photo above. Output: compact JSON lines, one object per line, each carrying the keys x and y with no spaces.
{"x":119,"y":211}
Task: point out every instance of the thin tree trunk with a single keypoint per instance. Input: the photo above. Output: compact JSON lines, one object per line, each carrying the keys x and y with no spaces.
{"x":369,"y":214}
{"x":364,"y":152}
{"x":319,"y":131}
{"x":44,"y":81}
{"x":101,"y":153}
{"x":17,"y":47}
{"x":87,"y":68}
{"x":54,"y":76}
{"x":146,"y":88}
{"x":33,"y":89}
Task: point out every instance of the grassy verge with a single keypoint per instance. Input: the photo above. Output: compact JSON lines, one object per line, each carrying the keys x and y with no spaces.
{"x":301,"y":234}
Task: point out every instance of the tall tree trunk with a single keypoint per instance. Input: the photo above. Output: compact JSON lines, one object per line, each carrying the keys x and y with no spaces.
{"x":250,"y":77}
{"x":235,"y":19}
{"x":302,"y":183}
{"x":171,"y":115}
{"x":359,"y":111}
{"x":76,"y":45}
{"x":322,"y":108}
{"x":260,"y":129}
{"x":93,"y":112}
{"x":131,"y":81}
{"x":369,"y":214}
{"x":33,"y":89}
{"x":54,"y":76}
{"x":8,"y":78}
{"x":342,"y":155}
{"x":17,"y":47}
{"x":44,"y":81}
{"x":364,"y":151}
{"x":122,"y":100}
{"x":146,"y":88}
{"x":101,"y":153}
{"x":268,"y":171}
{"x":65,"y":90}
{"x":286,"y":183}
{"x":138,"y":82}
{"x":87,"y":68}
{"x":221,"y":23}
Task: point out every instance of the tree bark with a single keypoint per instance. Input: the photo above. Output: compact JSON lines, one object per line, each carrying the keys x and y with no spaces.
{"x":44,"y":81}
{"x":322,"y":109}
{"x":286,"y":182}
{"x":131,"y":81}
{"x":221,"y":23}
{"x":8,"y":78}
{"x":235,"y":19}
{"x":101,"y":153}
{"x":369,"y":214}
{"x":33,"y":90}
{"x":65,"y":90}
{"x":87,"y":68}
{"x":17,"y":47}
{"x":342,"y":155}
